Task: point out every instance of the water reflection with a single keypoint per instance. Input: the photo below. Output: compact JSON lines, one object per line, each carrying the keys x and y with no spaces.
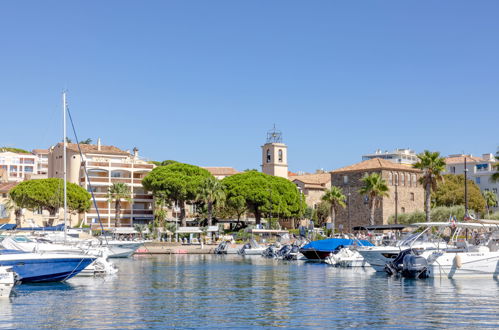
{"x":231,"y":291}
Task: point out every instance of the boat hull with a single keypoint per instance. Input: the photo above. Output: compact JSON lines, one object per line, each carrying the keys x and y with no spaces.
{"x":44,"y":268}
{"x":313,"y":254}
{"x":465,"y":264}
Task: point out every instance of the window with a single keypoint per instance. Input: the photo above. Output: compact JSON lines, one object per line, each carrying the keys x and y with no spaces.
{"x":280,"y":155}
{"x":390,"y":178}
{"x":408,"y":179}
{"x":116,"y":175}
{"x":396,"y":179}
{"x":412,"y":196}
{"x":453,"y":169}
{"x":345,"y":179}
{"x":28,"y":169}
{"x":268,"y":155}
{"x":414,"y":180}
{"x":402,"y":179}
{"x":403,"y":209}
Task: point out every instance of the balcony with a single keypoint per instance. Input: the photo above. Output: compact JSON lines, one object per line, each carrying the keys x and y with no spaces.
{"x":142,"y":196}
{"x":149,"y":166}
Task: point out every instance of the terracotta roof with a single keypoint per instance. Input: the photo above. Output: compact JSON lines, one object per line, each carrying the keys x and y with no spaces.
{"x":376,"y":164}
{"x":40,"y":151}
{"x":317,"y":179}
{"x":221,"y":170}
{"x":6,"y":186}
{"x":460,"y":159}
{"x":93,"y":149}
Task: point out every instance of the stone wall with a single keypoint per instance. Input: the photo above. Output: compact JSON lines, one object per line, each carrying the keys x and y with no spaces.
{"x":357,"y":211}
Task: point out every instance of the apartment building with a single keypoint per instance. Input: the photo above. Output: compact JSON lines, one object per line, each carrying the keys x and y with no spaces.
{"x":42,"y":163}
{"x":399,"y":156}
{"x":480,"y":170}
{"x":17,"y":165}
{"x":106,"y":165}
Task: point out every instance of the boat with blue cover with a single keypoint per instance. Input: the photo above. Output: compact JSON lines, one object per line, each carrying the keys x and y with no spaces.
{"x":44,"y":267}
{"x":319,"y":250}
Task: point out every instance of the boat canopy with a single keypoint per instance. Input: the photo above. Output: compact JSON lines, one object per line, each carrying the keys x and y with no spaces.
{"x":59,"y":227}
{"x":455,"y":224}
{"x":332,"y":244}
{"x":8,"y":226}
{"x":380,"y":227}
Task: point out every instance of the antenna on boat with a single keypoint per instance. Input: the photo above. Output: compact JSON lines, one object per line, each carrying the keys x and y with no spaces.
{"x":64,"y":143}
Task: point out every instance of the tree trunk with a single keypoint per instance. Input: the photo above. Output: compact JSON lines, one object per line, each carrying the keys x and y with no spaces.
{"x":210,"y":212}
{"x":183,"y":221}
{"x":333,"y":217}
{"x":258,"y":216}
{"x":117,"y":208}
{"x":428,"y":201}
{"x":18,"y":213}
{"x":372,"y":209}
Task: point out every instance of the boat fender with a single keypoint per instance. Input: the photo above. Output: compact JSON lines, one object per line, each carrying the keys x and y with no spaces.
{"x":457,"y":261}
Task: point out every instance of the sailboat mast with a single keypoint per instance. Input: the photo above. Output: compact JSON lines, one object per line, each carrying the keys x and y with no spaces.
{"x":64,"y":162}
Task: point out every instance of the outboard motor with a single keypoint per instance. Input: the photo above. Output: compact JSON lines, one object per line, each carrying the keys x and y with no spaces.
{"x":245,"y":246}
{"x":269,"y":252}
{"x":396,"y":266}
{"x":284,"y":251}
{"x":292,"y":253}
{"x":221,"y":248}
{"x":415,"y":266}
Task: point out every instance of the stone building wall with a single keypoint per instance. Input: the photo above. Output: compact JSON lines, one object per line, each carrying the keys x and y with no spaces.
{"x":357,"y":211}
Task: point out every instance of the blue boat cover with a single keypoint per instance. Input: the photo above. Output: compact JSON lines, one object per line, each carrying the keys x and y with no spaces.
{"x":332,"y":244}
{"x":8,"y":226}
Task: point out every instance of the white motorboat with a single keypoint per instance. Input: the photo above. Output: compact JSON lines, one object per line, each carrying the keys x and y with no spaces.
{"x":252,"y":249}
{"x":347,"y":257}
{"x":8,"y":279}
{"x":464,"y":259}
{"x":101,"y":266}
{"x":379,"y":256}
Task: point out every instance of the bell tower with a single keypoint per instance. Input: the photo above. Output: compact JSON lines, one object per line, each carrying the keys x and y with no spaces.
{"x":275,"y":155}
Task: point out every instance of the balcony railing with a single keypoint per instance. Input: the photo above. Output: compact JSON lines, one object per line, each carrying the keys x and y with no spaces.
{"x":143,"y":196}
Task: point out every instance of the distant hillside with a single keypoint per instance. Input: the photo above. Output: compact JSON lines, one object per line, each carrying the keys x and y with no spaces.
{"x":16,"y":150}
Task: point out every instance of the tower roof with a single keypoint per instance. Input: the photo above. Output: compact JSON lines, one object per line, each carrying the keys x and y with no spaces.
{"x":274,"y":136}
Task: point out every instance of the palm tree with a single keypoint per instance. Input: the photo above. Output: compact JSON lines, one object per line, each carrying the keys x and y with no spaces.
{"x":375,"y":188}
{"x":86,"y":141}
{"x":211,"y":192}
{"x":432,"y":166}
{"x":490,"y":200}
{"x":335,"y":198}
{"x":116,"y":193}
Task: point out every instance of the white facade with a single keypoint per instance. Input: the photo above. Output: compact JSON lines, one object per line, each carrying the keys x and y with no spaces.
{"x":480,"y":170}
{"x":399,"y":156}
{"x":18,"y":166}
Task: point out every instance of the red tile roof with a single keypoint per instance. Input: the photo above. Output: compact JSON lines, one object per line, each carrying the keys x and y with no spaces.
{"x":460,"y":159}
{"x":7,"y":186}
{"x":376,"y":164}
{"x":219,"y":171}
{"x":94,"y":149}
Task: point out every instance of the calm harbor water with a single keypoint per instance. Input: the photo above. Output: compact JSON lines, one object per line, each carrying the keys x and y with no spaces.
{"x":208,"y":291}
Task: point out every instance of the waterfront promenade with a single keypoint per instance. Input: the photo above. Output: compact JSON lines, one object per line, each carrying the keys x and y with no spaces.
{"x":176,"y":248}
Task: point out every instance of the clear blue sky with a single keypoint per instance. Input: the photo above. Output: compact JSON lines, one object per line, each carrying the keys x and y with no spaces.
{"x":202,"y":81}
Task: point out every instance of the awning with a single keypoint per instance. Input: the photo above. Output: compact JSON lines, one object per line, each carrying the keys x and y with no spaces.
{"x":189,"y":230}
{"x":212,"y":229}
